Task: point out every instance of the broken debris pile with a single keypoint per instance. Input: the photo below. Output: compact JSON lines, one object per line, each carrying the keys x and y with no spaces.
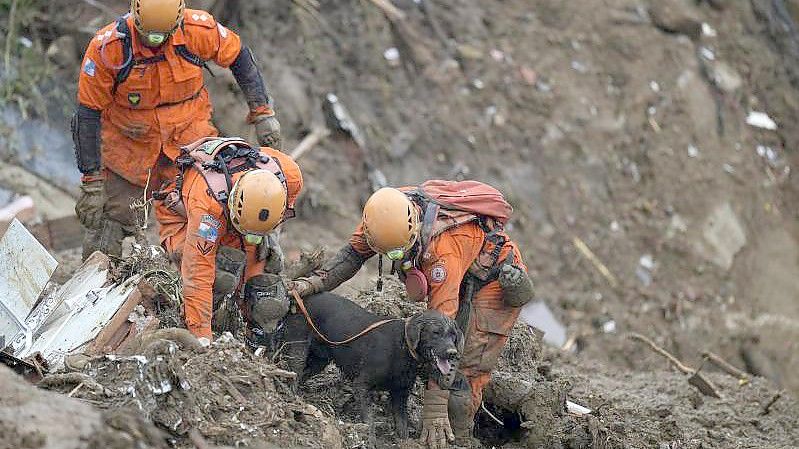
{"x":96,"y":311}
{"x":230,"y":396}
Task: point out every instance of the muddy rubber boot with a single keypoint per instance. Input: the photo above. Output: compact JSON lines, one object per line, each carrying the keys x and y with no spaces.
{"x":108,"y":240}
{"x":90,"y":243}
{"x":461,"y":415}
{"x":230,"y":263}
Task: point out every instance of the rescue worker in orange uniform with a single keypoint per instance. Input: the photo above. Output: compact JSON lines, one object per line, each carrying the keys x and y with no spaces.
{"x":140,"y":98}
{"x":449,"y":255}
{"x":223,"y":206}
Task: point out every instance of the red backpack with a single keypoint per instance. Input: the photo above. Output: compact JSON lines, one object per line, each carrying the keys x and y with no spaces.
{"x":447,"y":204}
{"x":468,"y":196}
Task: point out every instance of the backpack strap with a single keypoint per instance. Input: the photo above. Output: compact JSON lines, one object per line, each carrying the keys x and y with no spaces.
{"x":187,"y":54}
{"x":127,"y":53}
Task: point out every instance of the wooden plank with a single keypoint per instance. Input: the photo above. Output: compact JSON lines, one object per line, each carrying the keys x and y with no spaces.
{"x":118,"y":329}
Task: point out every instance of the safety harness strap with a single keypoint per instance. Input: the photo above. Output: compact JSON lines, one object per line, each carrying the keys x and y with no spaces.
{"x":127,"y":51}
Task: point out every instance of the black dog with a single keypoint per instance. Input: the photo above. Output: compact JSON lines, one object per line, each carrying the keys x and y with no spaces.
{"x":386,"y":359}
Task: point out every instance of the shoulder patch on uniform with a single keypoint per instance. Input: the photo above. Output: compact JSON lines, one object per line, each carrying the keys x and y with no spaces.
{"x":89,"y":67}
{"x":200,"y":18}
{"x":438,"y":274}
{"x":204,"y":247}
{"x":208,"y":228}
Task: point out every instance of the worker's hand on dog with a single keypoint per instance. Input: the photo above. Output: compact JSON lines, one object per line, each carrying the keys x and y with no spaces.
{"x":436,"y":430}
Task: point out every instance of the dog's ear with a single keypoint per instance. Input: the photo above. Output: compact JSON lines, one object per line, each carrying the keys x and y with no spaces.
{"x":413,"y":330}
{"x":460,"y":340}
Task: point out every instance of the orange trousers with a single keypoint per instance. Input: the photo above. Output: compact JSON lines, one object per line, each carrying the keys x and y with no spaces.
{"x":491,"y":324}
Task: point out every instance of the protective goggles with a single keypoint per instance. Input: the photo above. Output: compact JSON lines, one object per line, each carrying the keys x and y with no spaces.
{"x":396,"y":254}
{"x":253,"y":239}
{"x":156,"y":38}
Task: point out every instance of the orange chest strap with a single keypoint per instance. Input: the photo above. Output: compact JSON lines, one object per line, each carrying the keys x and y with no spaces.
{"x":370,"y":328}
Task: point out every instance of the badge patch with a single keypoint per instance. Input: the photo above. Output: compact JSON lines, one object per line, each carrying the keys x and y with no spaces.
{"x":205,"y":247}
{"x":134,"y":99}
{"x":209,"y":228}
{"x":438,"y":274}
{"x":90,"y":68}
{"x":222,"y":30}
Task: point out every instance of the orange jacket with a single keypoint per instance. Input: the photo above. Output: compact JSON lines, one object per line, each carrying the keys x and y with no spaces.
{"x":445,"y":263}
{"x":162,"y":105}
{"x":199,"y":235}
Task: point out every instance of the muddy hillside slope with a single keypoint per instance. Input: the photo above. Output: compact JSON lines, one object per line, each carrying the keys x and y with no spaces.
{"x":619,"y":124}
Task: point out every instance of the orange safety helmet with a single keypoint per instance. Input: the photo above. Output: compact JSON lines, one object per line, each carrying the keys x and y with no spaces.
{"x":157,"y":16}
{"x":390,"y":223}
{"x":257,"y":202}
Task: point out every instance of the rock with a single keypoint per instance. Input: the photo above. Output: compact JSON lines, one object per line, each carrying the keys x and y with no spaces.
{"x":467,"y":51}
{"x":725,"y":77}
{"x":35,"y":418}
{"x":330,"y":435}
{"x":723,"y":236}
{"x":675,"y":16}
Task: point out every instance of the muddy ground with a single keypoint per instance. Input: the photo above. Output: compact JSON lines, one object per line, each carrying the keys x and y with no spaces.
{"x":617,"y":124}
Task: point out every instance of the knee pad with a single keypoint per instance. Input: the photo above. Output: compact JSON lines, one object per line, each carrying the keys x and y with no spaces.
{"x":230,"y":264}
{"x":266,"y":301}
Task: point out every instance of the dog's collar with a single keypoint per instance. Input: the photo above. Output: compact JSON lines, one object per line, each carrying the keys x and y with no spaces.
{"x":408,"y":342}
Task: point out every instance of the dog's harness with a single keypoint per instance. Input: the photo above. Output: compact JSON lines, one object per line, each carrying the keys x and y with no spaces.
{"x":370,"y":328}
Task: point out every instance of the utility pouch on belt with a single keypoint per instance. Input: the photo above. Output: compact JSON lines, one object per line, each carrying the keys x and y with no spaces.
{"x":230,"y":264}
{"x":266,"y":301}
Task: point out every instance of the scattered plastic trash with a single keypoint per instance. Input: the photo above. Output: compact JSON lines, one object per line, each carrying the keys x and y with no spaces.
{"x":761,"y":120}
{"x":391,"y":54}
{"x":707,"y":54}
{"x":646,"y":264}
{"x":577,"y":409}
{"x":478,"y":84}
{"x":538,"y":315}
{"x":578,"y":66}
{"x":543,"y":87}
{"x":609,"y":327}
{"x":708,"y":30}
{"x":693,"y":151}
{"x":654,"y":86}
{"x":767,"y":153}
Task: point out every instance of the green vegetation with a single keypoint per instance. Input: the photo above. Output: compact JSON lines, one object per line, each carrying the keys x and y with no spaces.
{"x":24,"y":69}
